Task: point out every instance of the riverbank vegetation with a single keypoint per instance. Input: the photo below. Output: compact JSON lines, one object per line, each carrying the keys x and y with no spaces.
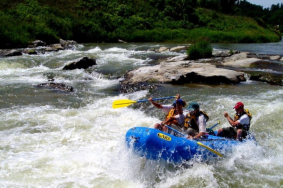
{"x":23,"y":21}
{"x":200,"y":49}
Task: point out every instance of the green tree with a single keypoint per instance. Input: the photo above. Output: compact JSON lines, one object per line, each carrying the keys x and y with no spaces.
{"x":228,"y":5}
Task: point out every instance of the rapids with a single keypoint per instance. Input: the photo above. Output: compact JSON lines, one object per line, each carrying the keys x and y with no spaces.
{"x":56,"y":139}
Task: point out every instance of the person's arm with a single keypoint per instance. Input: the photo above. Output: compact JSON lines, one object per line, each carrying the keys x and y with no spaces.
{"x":168,"y":120}
{"x":199,"y":135}
{"x":202,"y":127}
{"x":230,"y":120}
{"x":157,"y":105}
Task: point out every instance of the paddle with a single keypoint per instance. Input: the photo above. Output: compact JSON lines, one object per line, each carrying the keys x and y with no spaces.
{"x":200,"y":144}
{"x":214,"y":125}
{"x":210,"y":149}
{"x":126,"y":102}
{"x":210,"y":131}
{"x":176,"y":131}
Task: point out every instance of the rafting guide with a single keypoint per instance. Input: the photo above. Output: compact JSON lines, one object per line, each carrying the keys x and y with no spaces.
{"x":239,"y":126}
{"x":174,"y":117}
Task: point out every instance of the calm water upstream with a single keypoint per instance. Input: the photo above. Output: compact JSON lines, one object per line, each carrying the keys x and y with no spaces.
{"x":55,"y":139}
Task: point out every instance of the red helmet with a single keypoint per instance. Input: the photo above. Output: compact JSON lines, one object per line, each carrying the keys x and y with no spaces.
{"x":239,"y":105}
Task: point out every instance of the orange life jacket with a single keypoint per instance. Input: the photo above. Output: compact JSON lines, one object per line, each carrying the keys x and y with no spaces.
{"x":172,"y":113}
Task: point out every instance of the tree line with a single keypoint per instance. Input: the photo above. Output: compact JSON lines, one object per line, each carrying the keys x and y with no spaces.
{"x":272,"y":16}
{"x":136,"y":21}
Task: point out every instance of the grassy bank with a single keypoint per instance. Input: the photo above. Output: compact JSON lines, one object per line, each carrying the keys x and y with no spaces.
{"x":131,"y":21}
{"x":215,"y":36}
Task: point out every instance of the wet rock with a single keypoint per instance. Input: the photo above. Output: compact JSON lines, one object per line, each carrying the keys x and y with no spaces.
{"x":121,"y":41}
{"x":178,"y":48}
{"x":130,"y":88}
{"x":226,"y":53}
{"x":37,"y":43}
{"x":47,"y":49}
{"x":56,"y":86}
{"x":177,"y":58}
{"x":56,"y":47}
{"x":214,"y":70}
{"x":162,"y":49}
{"x":276,"y":57}
{"x":235,"y":57}
{"x":68,"y":44}
{"x":30,"y":51}
{"x":274,"y":79}
{"x":241,"y":62}
{"x":82,"y":63}
{"x":151,"y":50}
{"x":183,"y":72}
{"x":13,"y":53}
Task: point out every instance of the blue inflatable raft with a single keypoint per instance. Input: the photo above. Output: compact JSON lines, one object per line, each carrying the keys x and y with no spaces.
{"x":154,"y":144}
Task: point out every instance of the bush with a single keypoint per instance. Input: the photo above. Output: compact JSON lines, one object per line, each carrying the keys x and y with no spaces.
{"x":201,"y":49}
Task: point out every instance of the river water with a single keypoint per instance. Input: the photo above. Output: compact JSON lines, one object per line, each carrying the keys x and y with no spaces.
{"x":56,"y":139}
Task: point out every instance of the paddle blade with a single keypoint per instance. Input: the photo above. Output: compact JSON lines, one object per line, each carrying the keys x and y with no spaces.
{"x":210,"y":149}
{"x":122,"y":103}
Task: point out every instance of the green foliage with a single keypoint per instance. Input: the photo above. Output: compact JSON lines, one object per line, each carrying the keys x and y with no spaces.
{"x":131,"y":20}
{"x":12,"y":32}
{"x":201,"y":49}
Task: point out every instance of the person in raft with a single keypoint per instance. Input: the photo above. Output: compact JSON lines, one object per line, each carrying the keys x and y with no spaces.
{"x":174,"y":115}
{"x":239,"y":126}
{"x":195,"y":121}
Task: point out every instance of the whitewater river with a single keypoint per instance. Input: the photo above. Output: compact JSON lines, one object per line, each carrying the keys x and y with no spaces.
{"x":65,"y":140}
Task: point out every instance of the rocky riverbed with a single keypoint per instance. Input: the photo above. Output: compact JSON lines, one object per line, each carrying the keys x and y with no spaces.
{"x":225,"y":67}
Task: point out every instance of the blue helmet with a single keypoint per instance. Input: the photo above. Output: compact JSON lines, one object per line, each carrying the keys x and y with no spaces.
{"x":179,"y":101}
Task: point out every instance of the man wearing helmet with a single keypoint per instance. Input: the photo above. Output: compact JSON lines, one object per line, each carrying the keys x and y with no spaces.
{"x":174,"y":115}
{"x":239,"y":126}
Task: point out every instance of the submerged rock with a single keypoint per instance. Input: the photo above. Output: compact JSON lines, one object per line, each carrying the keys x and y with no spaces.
{"x":130,"y":88}
{"x":57,"y":86}
{"x":273,"y":79}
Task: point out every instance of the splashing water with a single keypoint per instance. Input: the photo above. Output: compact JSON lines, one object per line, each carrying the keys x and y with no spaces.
{"x":54,"y":139}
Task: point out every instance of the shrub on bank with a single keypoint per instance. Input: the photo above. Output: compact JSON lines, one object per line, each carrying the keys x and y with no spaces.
{"x":201,"y":49}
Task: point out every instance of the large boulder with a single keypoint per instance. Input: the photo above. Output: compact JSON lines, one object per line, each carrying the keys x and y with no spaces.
{"x":183,"y":72}
{"x":240,"y":60}
{"x":82,"y":63}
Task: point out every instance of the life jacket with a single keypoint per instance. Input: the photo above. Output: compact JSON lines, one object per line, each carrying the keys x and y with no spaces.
{"x":191,"y":120}
{"x":172,"y":113}
{"x":237,"y":117}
